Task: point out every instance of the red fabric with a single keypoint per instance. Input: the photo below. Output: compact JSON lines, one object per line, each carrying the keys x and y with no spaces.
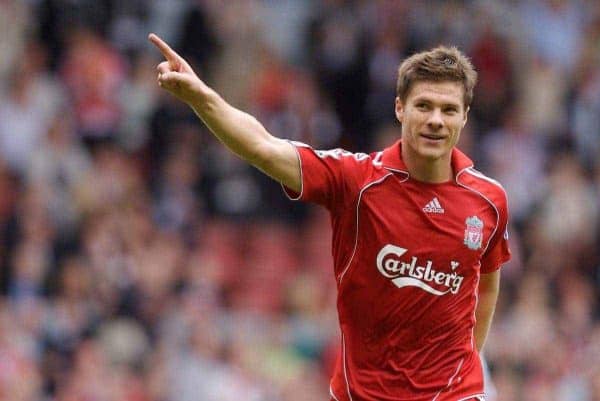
{"x":407,"y":283}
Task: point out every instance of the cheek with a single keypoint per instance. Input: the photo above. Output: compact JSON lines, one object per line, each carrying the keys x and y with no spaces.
{"x":412,"y":128}
{"x":456,"y":126}
{"x":414,"y":122}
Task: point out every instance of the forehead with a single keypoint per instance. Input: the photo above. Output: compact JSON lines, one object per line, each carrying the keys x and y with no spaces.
{"x":444,"y":92}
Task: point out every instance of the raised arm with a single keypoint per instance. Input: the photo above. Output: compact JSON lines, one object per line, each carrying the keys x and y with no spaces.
{"x":238,"y":131}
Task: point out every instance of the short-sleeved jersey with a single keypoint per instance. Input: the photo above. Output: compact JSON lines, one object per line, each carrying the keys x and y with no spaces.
{"x":407,"y":260}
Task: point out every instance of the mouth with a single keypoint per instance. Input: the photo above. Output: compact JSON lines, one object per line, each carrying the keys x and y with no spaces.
{"x":433,"y":137}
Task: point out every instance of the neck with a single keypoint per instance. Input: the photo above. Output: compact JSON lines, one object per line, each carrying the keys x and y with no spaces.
{"x":432,"y":171}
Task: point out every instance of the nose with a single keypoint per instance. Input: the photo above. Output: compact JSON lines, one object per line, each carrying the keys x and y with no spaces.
{"x":435,"y":120}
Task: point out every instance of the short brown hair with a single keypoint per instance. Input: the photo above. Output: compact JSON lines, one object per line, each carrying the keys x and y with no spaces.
{"x":439,"y":64}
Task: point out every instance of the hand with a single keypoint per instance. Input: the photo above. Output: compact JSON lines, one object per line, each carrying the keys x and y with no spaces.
{"x":176,"y":76}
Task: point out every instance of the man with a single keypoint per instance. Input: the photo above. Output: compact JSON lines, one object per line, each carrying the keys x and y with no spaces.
{"x":418,"y":234}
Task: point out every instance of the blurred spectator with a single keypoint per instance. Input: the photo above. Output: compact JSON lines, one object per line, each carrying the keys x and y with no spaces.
{"x":586,"y":112}
{"x":15,"y":18}
{"x":337,"y":40}
{"x":93,"y":71}
{"x":137,"y":100}
{"x":557,"y":35}
{"x":58,"y":168}
{"x":177,"y":205}
{"x":388,"y":51}
{"x":32,"y":98}
{"x":543,"y":98}
{"x":20,"y":378}
{"x":518,"y":156}
{"x":565,"y":226}
{"x":493,"y":91}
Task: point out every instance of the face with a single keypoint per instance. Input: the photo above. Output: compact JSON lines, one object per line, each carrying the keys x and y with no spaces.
{"x":432,"y":117}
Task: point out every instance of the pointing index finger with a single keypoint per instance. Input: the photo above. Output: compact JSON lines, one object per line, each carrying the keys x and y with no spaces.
{"x":170,"y":54}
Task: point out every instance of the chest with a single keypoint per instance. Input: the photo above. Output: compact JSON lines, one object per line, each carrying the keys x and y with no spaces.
{"x":444,"y":225}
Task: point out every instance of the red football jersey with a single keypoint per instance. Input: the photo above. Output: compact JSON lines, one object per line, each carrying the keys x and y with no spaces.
{"x":407,"y":260}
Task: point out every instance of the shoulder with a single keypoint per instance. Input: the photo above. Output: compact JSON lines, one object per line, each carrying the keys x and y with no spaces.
{"x":488,"y":188}
{"x":359,"y":161}
{"x":338,"y":172}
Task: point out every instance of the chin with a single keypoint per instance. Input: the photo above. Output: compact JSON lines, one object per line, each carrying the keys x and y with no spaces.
{"x":432,"y":154}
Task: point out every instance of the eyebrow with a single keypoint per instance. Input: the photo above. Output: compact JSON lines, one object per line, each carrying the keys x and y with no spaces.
{"x":428,"y":100}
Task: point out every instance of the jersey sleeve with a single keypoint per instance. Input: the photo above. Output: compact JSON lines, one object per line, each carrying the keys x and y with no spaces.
{"x":330,"y":178}
{"x":498,"y":251}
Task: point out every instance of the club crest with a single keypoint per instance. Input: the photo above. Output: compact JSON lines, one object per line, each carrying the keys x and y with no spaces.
{"x":473,"y":233}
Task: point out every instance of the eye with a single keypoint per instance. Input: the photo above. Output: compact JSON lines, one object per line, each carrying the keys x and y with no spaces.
{"x":422,"y":106}
{"x":450,"y":110}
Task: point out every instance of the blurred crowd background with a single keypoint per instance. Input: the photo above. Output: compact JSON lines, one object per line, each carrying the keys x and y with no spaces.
{"x":140,"y":261}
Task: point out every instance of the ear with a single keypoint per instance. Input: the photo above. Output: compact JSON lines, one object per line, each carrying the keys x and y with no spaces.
{"x":465,"y":116}
{"x":399,"y":109}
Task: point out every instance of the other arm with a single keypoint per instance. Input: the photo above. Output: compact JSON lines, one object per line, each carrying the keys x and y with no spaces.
{"x":238,"y":131}
{"x":489,"y":286}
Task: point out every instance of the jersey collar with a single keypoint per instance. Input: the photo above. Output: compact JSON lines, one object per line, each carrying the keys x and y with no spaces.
{"x":392,"y":159}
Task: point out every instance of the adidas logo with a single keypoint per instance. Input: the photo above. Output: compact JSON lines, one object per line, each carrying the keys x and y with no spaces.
{"x":433,"y":206}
